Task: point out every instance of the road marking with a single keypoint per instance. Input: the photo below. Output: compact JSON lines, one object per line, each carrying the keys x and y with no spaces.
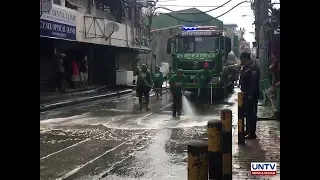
{"x":61,"y":150}
{"x":45,"y":157}
{"x":75,"y":170}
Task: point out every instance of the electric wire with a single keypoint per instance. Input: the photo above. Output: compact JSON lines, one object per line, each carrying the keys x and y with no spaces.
{"x":198,"y":12}
{"x":210,"y":19}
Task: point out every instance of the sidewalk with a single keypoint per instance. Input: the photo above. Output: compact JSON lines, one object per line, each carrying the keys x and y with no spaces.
{"x":56,"y":100}
{"x":266,"y":148}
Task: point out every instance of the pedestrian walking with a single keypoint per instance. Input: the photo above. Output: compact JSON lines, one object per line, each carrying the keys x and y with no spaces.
{"x":203,"y":78}
{"x":177,"y":84}
{"x":250,"y":77}
{"x":144,"y":85}
{"x":158,"y":82}
{"x":60,"y":71}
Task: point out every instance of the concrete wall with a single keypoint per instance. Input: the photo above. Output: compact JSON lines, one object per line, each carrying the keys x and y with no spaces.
{"x":159,"y":48}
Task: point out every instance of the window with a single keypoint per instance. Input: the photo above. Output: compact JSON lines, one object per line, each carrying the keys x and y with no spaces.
{"x":113,"y":8}
{"x":198,"y":44}
{"x":71,"y":6}
{"x":129,"y":13}
{"x":58,"y":2}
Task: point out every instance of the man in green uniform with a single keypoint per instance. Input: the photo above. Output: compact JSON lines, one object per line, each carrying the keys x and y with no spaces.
{"x":203,"y":78}
{"x":158,"y":82}
{"x":144,"y":85}
{"x":177,"y":83}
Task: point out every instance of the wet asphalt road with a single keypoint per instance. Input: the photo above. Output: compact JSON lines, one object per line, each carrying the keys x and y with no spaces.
{"x":109,"y":140}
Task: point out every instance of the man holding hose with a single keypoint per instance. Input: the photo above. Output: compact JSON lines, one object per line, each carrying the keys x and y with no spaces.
{"x":144,"y":85}
{"x":177,"y":83}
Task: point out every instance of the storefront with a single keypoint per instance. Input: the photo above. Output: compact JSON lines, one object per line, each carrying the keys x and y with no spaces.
{"x":57,"y":30}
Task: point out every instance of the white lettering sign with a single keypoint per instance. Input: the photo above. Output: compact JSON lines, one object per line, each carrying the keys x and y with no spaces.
{"x":196,"y":33}
{"x":60,"y":15}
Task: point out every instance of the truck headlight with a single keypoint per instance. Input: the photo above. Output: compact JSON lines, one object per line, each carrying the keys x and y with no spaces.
{"x":215,"y":80}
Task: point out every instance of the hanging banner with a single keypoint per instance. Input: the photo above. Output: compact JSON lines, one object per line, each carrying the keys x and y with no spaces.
{"x":59,"y":22}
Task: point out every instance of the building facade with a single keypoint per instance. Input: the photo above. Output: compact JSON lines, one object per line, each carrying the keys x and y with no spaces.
{"x":109,"y":33}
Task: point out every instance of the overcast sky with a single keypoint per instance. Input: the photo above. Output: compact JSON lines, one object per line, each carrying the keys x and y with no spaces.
{"x":233,"y":17}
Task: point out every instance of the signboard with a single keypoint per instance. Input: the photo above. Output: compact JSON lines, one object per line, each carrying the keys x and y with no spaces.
{"x":199,"y":33}
{"x":59,"y":22}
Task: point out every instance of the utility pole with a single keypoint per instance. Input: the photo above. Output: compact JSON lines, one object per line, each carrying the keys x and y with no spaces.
{"x":263,"y":38}
{"x":257,"y":24}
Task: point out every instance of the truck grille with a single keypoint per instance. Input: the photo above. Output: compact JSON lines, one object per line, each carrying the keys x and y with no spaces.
{"x":190,"y":65}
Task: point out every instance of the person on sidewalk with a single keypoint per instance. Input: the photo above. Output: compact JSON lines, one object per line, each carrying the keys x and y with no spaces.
{"x":84,"y":71}
{"x":275,"y":71}
{"x":177,"y":84}
{"x":144,"y":85}
{"x":158,"y":82}
{"x":250,"y":77}
{"x":60,"y":71}
{"x":203,"y":78}
{"x":75,"y":73}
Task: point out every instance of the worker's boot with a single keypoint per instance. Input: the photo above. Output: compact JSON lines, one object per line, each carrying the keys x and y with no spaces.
{"x":147,"y":103}
{"x":140,"y":104}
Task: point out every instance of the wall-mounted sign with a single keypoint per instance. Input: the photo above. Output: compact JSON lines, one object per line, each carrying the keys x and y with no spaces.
{"x":199,"y":33}
{"x":59,"y":22}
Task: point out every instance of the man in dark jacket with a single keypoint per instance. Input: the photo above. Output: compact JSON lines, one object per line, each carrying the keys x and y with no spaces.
{"x":144,"y":85}
{"x":250,"y":77}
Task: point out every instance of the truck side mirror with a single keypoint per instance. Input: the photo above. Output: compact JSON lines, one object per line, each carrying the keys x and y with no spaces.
{"x":228,"y":45}
{"x":169,"y":46}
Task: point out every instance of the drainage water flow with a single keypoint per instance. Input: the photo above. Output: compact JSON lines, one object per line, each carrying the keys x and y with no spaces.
{"x":187,"y":108}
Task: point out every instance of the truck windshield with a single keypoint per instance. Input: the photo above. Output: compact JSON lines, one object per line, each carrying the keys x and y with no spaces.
{"x":200,"y":44}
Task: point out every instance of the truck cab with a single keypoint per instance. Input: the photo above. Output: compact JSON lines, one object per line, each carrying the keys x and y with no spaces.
{"x":193,"y":46}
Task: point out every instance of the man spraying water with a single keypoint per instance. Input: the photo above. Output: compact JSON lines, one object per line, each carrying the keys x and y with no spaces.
{"x":144,"y":85}
{"x":203,"y":78}
{"x":177,"y":83}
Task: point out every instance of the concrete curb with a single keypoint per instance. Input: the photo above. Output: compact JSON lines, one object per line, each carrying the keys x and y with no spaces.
{"x":82,"y":100}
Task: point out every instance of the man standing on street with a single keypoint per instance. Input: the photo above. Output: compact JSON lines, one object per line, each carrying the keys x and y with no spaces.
{"x":144,"y":85}
{"x":158,"y":82}
{"x":60,"y":71}
{"x":250,"y":77}
{"x":203,"y":78}
{"x":177,"y":83}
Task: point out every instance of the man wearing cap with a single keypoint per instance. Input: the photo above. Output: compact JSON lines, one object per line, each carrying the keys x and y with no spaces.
{"x":144,"y":85}
{"x":203,"y":78}
{"x":177,"y":83}
{"x":250,"y":77}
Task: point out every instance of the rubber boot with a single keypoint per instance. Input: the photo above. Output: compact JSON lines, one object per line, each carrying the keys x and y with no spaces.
{"x":147,"y":103}
{"x":140,"y":104}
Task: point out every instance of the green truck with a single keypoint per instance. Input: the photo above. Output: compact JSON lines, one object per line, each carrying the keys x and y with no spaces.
{"x":191,"y":47}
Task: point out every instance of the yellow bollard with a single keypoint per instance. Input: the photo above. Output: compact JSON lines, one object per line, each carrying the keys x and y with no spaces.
{"x":214,"y":149}
{"x":197,"y":160}
{"x":226,"y":119}
{"x":241,"y":133}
